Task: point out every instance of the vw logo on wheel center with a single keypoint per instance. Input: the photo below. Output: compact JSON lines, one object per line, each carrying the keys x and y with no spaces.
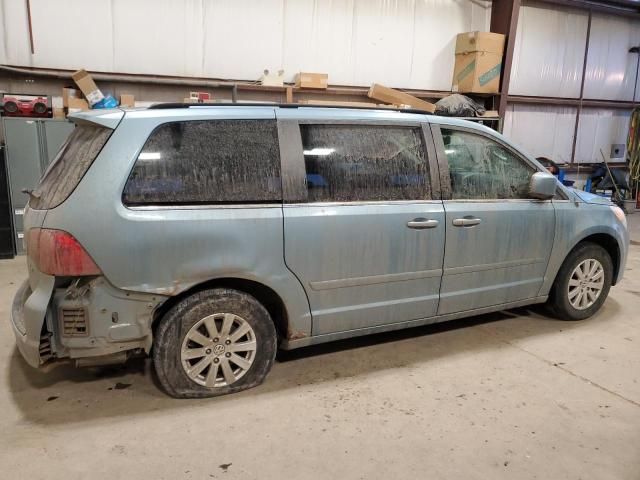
{"x":218,"y":349}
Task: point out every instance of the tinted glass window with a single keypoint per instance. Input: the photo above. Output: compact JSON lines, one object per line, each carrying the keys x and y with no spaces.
{"x":69,"y":166}
{"x":483,"y":169}
{"x":364,"y":163}
{"x":207,"y":162}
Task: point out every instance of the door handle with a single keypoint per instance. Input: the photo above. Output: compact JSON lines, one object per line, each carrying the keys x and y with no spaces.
{"x":422,"y":223}
{"x":466,"y":222}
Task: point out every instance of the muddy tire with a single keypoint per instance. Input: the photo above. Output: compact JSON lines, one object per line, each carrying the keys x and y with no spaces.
{"x":212,"y":343}
{"x":582,"y":283}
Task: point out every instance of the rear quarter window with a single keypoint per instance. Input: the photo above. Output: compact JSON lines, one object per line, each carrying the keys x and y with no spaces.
{"x":207,"y":162}
{"x":69,"y":166}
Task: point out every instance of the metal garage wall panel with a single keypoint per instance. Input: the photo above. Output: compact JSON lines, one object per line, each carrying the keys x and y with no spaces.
{"x":14,"y":44}
{"x":403,"y":43}
{"x":549,"y":51}
{"x":599,"y":129}
{"x":382,"y":42}
{"x":169,"y":41}
{"x":542,"y":131}
{"x":242,"y":38}
{"x":611,"y":69}
{"x":74,"y":35}
{"x":318,"y":38}
{"x":437,"y":22}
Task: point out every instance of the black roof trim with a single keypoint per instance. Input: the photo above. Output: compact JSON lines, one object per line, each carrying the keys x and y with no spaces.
{"x":162,"y":106}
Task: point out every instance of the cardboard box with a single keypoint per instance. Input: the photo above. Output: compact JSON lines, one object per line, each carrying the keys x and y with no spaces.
{"x":69,"y":92}
{"x":59,"y":113}
{"x":127,"y":100}
{"x":77,"y":105}
{"x":478,"y":62}
{"x":398,"y":98}
{"x":289,"y":93}
{"x":88,"y":86}
{"x":312,"y":80}
{"x":470,"y":42}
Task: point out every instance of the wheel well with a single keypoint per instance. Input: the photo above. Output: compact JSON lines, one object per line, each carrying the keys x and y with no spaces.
{"x":265,"y":295}
{"x":610,"y":245}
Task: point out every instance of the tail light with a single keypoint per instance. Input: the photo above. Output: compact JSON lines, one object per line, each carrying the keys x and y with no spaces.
{"x":58,"y":253}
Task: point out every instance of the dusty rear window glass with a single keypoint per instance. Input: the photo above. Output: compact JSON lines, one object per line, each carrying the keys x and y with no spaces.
{"x":483,"y":169}
{"x":207,"y":162}
{"x":364,"y":163}
{"x":69,"y":166}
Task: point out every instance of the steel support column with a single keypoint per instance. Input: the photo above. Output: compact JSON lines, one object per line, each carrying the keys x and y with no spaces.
{"x":504,"y":20}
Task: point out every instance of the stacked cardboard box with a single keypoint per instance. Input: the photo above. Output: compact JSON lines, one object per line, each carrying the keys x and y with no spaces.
{"x":478,"y":62}
{"x":312,"y":80}
{"x":88,"y":86}
{"x":127,"y":100}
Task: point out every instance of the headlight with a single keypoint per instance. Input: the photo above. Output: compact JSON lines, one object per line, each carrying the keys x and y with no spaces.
{"x":617,"y":211}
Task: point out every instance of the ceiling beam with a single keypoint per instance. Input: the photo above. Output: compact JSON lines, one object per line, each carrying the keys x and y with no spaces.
{"x":625,"y":8}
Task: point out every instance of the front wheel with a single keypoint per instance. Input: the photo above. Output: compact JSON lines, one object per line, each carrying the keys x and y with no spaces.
{"x":212,"y":343}
{"x":582,"y":283}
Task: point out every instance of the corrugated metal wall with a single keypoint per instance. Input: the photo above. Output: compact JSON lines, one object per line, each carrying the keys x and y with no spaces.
{"x":403,"y":43}
{"x":543,"y":131}
{"x":599,"y":129}
{"x":611,"y":69}
{"x":549,"y":51}
{"x":548,"y":60}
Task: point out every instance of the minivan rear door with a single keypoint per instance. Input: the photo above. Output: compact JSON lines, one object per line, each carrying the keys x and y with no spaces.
{"x":363,"y":219}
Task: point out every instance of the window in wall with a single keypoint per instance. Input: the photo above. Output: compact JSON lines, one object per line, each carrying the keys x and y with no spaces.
{"x":207,"y":162}
{"x":483,"y":169}
{"x":364,"y":163}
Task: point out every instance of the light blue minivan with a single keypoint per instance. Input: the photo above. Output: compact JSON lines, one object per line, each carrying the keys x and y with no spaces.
{"x":209,"y":236}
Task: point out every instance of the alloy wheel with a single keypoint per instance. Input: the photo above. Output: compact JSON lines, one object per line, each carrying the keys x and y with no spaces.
{"x":585,"y":284}
{"x":218,"y":350}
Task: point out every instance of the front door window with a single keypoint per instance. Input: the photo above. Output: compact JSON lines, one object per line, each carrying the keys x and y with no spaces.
{"x":482,"y":169}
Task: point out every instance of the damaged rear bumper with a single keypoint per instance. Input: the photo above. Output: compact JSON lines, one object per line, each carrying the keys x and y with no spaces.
{"x":88,"y":319}
{"x":27,"y":317}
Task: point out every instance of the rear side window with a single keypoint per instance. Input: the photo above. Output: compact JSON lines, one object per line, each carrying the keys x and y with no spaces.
{"x":347,"y":163}
{"x":207,"y":162}
{"x":481,"y":168}
{"x":69,"y":166}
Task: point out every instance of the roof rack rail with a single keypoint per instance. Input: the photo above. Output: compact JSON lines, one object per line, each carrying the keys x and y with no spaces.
{"x":162,"y":106}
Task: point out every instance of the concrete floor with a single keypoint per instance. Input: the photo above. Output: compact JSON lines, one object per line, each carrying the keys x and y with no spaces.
{"x":507,"y":395}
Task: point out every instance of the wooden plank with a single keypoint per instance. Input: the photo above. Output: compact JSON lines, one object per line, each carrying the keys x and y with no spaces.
{"x":396,"y":97}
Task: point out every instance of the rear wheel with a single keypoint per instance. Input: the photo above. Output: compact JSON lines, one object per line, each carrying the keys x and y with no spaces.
{"x":582,"y":284}
{"x":212,"y":343}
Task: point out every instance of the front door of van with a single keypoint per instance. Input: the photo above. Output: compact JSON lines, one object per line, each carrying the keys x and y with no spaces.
{"x":498,"y":238}
{"x":363,"y":233}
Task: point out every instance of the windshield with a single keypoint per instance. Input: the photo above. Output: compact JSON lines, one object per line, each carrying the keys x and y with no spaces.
{"x":69,"y":166}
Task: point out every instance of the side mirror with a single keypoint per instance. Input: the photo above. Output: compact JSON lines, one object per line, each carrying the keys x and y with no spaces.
{"x":543,"y":186}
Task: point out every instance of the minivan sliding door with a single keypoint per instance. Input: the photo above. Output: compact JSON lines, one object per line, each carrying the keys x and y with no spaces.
{"x":363,"y":222}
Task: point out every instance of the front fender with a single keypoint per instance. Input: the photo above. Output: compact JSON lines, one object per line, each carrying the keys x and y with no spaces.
{"x":576,"y":222}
